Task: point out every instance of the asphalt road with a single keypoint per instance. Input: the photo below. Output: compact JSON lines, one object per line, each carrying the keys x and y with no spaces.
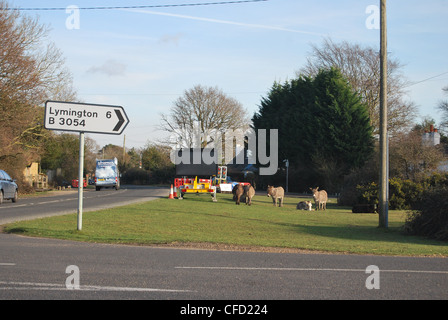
{"x":34,"y":268}
{"x":63,"y":202}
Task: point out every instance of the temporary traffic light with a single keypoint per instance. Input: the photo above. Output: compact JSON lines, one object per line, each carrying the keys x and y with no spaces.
{"x":223,"y":173}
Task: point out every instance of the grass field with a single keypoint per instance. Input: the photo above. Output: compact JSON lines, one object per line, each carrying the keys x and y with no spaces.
{"x":197,"y":219}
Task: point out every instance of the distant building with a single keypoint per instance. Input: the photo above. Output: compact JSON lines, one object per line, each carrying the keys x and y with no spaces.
{"x":34,"y":177}
{"x":431,"y":138}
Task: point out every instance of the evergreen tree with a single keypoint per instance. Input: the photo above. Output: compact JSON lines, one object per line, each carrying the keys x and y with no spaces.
{"x":324,"y":128}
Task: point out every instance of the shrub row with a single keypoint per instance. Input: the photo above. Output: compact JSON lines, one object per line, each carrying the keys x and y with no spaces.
{"x":430,"y":215}
{"x":144,"y":177}
{"x":403,"y":194}
{"x":427,"y":202}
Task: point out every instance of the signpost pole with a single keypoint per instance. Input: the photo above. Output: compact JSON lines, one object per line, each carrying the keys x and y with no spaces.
{"x":287,"y":173}
{"x":80,"y":178}
{"x":84,"y":117}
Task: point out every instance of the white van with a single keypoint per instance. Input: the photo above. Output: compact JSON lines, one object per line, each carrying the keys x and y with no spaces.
{"x":107,"y":174}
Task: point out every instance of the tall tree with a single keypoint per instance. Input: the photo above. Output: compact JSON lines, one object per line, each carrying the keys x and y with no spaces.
{"x":156,"y":159}
{"x":288,"y":107}
{"x":361,"y":67}
{"x":204,"y":112}
{"x":412,"y":159}
{"x":111,"y":151}
{"x":443,"y":106}
{"x":323,"y":126}
{"x":31,"y":71}
{"x":61,"y":151}
{"x":341,"y":123}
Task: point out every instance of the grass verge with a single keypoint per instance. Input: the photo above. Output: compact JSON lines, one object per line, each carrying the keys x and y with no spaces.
{"x":197,"y":219}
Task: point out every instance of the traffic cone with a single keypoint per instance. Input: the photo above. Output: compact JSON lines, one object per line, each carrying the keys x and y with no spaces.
{"x":175,"y":192}
{"x":171,"y":193}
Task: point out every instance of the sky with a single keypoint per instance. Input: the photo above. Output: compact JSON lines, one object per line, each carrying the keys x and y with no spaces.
{"x":143,"y":59}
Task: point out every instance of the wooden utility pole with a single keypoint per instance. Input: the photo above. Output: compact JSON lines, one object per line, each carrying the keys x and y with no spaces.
{"x":384,"y":154}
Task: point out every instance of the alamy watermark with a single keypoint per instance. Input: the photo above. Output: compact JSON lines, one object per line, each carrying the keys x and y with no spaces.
{"x":227,"y":147}
{"x":373,"y":20}
{"x":73,"y":21}
{"x":72,"y":281}
{"x":373,"y":280}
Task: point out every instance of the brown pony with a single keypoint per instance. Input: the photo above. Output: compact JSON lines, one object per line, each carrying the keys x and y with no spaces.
{"x":249,"y":192}
{"x":237,"y":191}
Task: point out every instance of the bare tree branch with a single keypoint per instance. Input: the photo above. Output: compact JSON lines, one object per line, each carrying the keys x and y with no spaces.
{"x":205,"y":111}
{"x":31,"y":72}
{"x":443,"y":106}
{"x":360,"y":66}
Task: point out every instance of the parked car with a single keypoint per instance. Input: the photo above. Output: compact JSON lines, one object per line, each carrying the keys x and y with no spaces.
{"x":76,"y":181}
{"x":8,"y":188}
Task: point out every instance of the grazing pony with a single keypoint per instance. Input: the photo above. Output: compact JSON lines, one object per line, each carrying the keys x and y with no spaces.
{"x":249,"y":192}
{"x":276,"y":193}
{"x":320,"y":198}
{"x":237,"y":191}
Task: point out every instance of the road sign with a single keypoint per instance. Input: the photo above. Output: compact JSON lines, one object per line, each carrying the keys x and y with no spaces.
{"x":84,"y":117}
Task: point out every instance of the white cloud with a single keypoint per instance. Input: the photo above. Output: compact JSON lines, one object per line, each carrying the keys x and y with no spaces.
{"x":171,"y":38}
{"x":109,"y":68}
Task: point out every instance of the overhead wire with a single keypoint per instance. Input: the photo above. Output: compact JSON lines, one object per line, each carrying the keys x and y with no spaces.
{"x":424,"y":80}
{"x":140,"y":6}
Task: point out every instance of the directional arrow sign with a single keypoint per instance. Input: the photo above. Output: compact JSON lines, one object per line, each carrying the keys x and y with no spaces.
{"x":82,"y":117}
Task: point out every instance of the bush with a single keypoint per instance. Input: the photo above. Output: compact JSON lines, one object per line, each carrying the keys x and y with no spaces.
{"x":404,"y":193}
{"x":349,"y":194}
{"x":24,"y":187}
{"x":430,"y":215}
{"x":367,"y":194}
{"x":163,"y":175}
{"x":438,"y":180}
{"x":135,"y":176}
{"x":427,"y":199}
